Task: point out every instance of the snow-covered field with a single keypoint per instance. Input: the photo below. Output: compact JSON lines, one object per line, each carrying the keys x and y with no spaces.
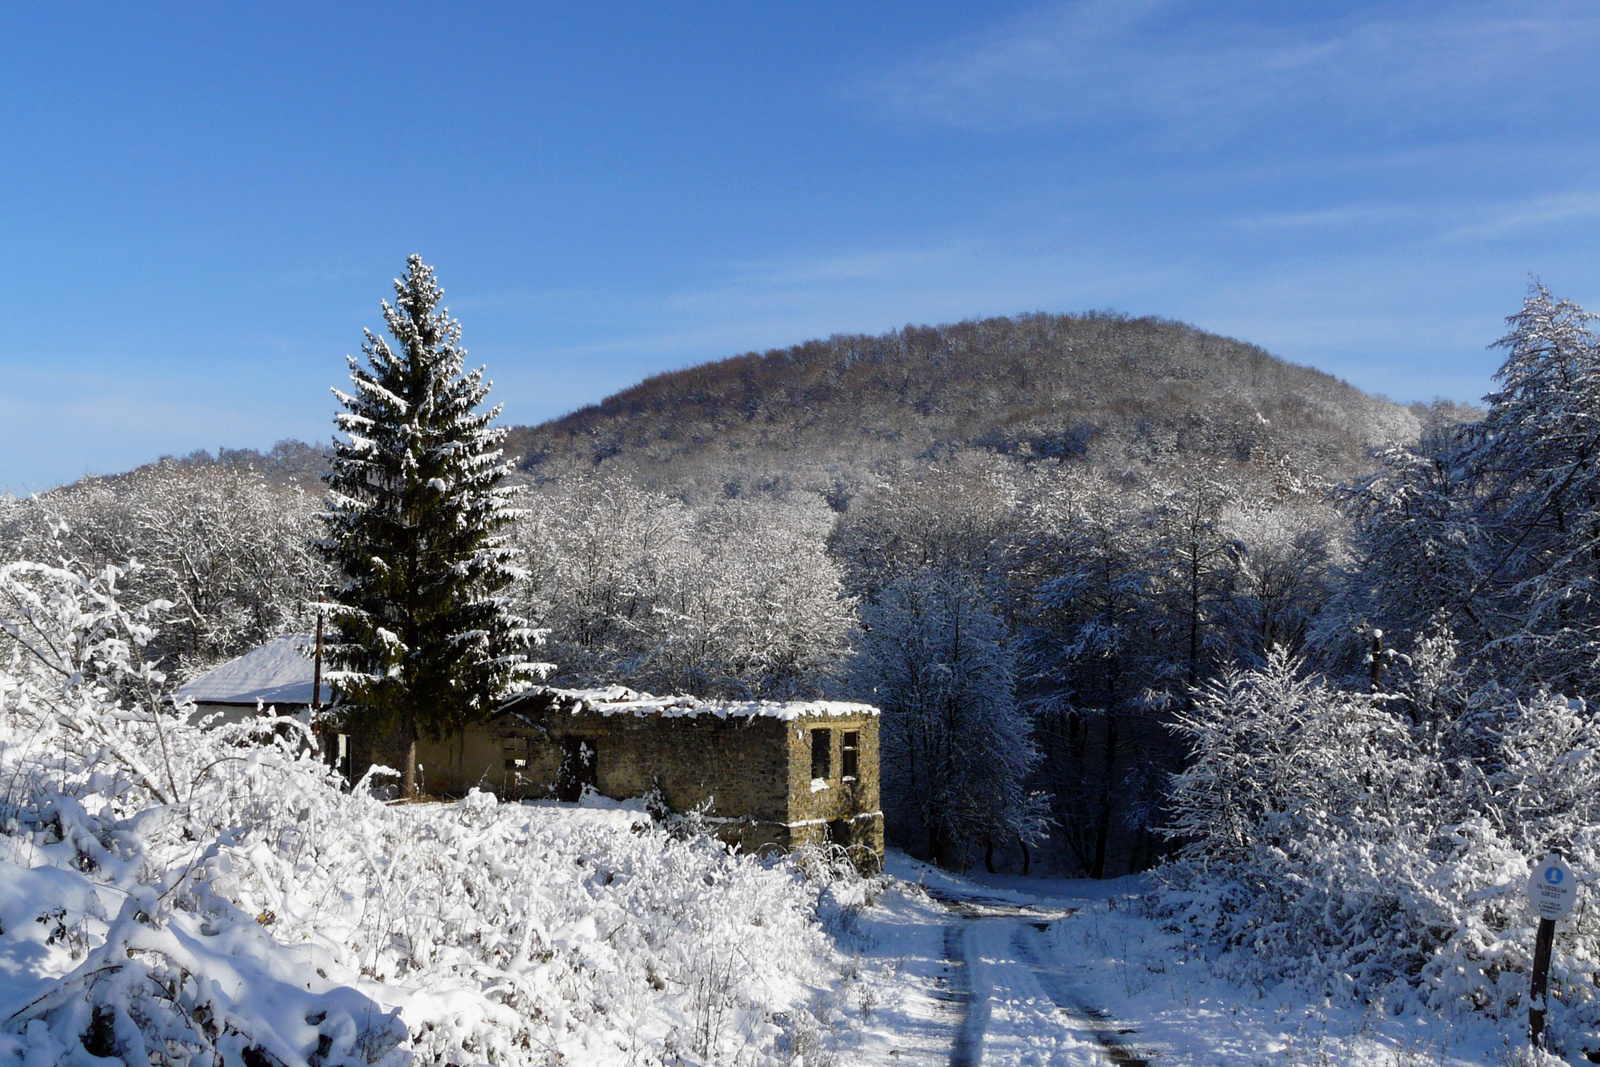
{"x":465,"y":933}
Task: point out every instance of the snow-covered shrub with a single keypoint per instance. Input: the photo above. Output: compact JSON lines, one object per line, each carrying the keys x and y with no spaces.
{"x":1335,"y":842}
{"x":1293,"y":807}
{"x":170,"y":894}
{"x":844,"y":893}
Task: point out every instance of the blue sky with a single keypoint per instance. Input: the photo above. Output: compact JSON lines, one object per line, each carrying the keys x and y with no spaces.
{"x":201,"y":206}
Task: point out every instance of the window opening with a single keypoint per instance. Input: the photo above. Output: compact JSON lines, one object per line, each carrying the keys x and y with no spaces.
{"x":850,"y":754}
{"x":821,"y":753}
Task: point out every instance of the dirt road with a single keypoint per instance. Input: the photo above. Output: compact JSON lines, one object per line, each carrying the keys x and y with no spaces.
{"x":1010,"y":1005}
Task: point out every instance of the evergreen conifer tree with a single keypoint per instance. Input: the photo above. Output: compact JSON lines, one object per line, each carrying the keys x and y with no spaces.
{"x":418,"y":526}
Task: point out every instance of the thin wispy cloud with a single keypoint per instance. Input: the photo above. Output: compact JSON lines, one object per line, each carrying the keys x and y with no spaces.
{"x":502,"y":299}
{"x":748,"y":305}
{"x":1358,"y":311}
{"x":787,"y":299}
{"x":1447,"y":223}
{"x":1340,"y":217}
{"x":1535,"y":213}
{"x":1165,"y":63}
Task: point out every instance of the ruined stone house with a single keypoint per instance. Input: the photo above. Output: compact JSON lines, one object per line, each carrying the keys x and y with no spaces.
{"x":766,"y":775}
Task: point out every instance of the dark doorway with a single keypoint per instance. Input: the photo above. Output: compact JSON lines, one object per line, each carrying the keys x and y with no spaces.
{"x":580,"y":769}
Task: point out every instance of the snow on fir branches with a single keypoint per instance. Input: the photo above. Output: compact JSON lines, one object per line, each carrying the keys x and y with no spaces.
{"x":418,"y":527}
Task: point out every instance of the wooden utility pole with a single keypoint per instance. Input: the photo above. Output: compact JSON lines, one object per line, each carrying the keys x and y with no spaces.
{"x":316,"y":670}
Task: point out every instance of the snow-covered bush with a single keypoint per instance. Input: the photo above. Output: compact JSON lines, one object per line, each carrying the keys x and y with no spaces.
{"x":1336,"y":842}
{"x":171,"y":894}
{"x":226,"y":545}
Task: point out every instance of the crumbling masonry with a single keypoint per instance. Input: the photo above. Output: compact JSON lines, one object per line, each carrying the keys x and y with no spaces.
{"x":765,"y":775}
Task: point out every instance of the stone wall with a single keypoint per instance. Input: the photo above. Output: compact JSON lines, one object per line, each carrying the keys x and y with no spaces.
{"x":750,"y":773}
{"x":836,"y":809}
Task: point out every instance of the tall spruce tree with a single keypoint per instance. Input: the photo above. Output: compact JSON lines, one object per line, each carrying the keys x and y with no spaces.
{"x":418,"y":526}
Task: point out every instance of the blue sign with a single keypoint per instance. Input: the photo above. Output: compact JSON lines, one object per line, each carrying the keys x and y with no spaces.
{"x":1552,"y":888}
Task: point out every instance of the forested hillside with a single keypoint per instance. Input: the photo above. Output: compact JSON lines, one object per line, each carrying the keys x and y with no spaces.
{"x":1059,"y":524}
{"x":1102,"y":388}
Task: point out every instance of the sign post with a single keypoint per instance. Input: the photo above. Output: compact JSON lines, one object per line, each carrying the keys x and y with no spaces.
{"x":1553,"y":890}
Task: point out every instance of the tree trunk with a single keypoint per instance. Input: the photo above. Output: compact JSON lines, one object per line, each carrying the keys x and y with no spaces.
{"x":1103,"y":829}
{"x":988,"y":854}
{"x":1194,"y":626}
{"x":1141,"y":851}
{"x":364,"y":747}
{"x":390,"y":742}
{"x":406,"y":748}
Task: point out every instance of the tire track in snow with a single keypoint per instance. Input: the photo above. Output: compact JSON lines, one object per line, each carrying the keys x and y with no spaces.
{"x":973,"y":1016}
{"x":967,"y":1045}
{"x":1024,"y":939}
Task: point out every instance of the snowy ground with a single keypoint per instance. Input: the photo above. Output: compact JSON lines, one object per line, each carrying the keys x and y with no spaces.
{"x":1002,"y":970}
{"x":657,"y":952}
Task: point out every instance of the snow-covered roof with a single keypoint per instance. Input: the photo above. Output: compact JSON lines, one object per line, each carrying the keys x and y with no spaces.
{"x":620,"y":700}
{"x":279,"y":672}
